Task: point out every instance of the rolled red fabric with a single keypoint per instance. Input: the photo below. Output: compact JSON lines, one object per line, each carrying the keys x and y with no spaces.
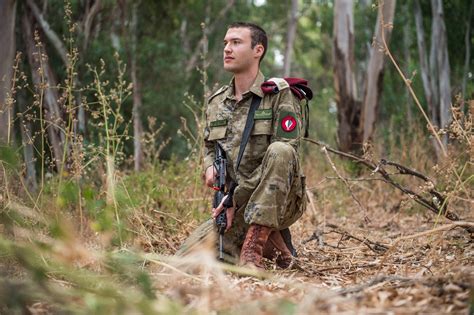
{"x":298,"y":86}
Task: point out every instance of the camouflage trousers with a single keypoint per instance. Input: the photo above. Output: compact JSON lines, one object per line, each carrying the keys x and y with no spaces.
{"x":277,"y":200}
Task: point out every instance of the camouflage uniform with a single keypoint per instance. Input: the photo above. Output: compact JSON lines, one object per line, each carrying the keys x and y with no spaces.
{"x":270,"y":189}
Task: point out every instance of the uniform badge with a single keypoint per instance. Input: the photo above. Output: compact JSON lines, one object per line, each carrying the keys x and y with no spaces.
{"x":288,"y":123}
{"x":287,"y":126}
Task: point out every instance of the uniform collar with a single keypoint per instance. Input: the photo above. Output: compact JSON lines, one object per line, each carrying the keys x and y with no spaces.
{"x":255,"y":88}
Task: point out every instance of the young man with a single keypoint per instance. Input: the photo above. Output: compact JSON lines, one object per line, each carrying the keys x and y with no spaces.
{"x":270,"y":192}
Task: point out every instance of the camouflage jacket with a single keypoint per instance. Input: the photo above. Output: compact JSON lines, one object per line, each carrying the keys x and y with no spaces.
{"x":278,"y":118}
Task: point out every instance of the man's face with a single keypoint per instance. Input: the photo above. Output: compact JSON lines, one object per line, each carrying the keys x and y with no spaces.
{"x":239,"y":56}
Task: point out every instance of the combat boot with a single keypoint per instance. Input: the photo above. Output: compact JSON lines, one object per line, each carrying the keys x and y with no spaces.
{"x":276,"y":248}
{"x":252,"y":249}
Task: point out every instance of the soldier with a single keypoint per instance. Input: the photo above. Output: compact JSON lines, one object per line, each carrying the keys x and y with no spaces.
{"x":269,"y":193}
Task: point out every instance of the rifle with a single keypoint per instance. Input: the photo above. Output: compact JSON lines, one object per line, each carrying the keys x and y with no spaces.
{"x":220,"y":164}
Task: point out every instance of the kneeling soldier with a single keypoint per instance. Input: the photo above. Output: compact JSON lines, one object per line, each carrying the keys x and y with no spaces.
{"x":258,"y":125}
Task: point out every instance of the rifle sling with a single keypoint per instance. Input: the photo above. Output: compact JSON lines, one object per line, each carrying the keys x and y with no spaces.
{"x":248,"y":127}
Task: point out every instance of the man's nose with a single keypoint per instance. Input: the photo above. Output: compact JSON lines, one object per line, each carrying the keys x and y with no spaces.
{"x":227,"y":48}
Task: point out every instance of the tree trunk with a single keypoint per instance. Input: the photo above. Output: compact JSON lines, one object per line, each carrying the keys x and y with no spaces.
{"x":374,"y":85}
{"x":44,"y":81}
{"x":7,"y":55}
{"x":348,"y":108}
{"x":26,"y":128}
{"x":467,"y":41}
{"x":290,"y":39}
{"x":407,"y":41}
{"x":436,"y":73}
{"x":137,"y":97}
{"x":425,"y":70}
{"x":442,"y":65}
{"x":426,"y":77}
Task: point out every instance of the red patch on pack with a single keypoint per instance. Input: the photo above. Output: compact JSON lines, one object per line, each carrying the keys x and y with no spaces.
{"x":288,"y":123}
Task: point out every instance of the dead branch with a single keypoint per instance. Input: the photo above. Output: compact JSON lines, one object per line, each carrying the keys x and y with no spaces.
{"x":49,"y":32}
{"x":437,"y":205}
{"x":366,"y":265}
{"x":210,"y":28}
{"x":373,"y":246}
{"x":469,"y":226}
{"x":373,"y":282}
{"x":376,"y":247}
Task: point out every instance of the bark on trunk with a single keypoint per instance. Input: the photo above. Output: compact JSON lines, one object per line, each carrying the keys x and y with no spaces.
{"x":442,"y":66}
{"x":422,"y":49}
{"x":44,"y":81}
{"x":137,"y":97}
{"x":374,"y":85}
{"x":436,"y":72}
{"x":467,"y":41}
{"x":348,"y":108}
{"x":290,"y":39}
{"x":7,"y":55}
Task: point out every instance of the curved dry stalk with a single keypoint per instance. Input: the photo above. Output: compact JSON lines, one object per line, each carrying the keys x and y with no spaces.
{"x":408,"y":83}
{"x":346,"y":183}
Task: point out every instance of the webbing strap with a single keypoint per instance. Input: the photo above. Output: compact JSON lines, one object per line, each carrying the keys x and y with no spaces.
{"x":248,"y":127}
{"x":285,"y":233}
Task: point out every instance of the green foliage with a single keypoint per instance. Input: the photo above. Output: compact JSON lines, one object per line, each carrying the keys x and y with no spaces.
{"x":9,"y":157}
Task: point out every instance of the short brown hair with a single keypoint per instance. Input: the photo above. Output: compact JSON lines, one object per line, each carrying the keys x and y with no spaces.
{"x":257,"y":34}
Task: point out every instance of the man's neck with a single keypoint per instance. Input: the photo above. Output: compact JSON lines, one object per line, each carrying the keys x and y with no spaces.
{"x":243,"y":82}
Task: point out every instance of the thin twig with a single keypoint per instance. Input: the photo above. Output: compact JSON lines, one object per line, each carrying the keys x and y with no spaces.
{"x":464,"y":224}
{"x":346,"y":183}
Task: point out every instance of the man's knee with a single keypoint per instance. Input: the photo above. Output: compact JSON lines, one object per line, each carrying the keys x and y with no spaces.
{"x":281,"y":150}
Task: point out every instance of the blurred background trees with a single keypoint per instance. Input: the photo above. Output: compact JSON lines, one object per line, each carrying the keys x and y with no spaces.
{"x":171,"y":51}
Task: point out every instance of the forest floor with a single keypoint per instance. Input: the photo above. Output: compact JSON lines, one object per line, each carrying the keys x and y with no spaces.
{"x":368,"y":251}
{"x":383,"y":261}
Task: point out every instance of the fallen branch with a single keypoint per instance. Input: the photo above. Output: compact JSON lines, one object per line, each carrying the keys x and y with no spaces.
{"x":437,"y":205}
{"x":464,"y":224}
{"x":373,"y":282}
{"x":373,"y":246}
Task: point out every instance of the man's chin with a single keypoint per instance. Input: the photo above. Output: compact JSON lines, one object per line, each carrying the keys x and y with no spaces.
{"x":230,"y":69}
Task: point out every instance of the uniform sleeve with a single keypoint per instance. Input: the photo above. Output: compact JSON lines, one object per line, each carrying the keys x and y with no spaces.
{"x":209,"y":151}
{"x":288,"y":122}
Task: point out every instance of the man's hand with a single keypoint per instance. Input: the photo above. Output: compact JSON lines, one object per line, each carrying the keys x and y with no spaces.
{"x":210,"y":176}
{"x":230,"y":213}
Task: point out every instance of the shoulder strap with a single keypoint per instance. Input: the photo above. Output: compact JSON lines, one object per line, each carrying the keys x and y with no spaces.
{"x":248,"y":127}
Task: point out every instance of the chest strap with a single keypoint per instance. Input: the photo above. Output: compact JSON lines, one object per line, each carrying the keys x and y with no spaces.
{"x":248,"y":127}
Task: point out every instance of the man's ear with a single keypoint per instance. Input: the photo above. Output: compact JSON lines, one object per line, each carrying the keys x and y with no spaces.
{"x":259,"y":50}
